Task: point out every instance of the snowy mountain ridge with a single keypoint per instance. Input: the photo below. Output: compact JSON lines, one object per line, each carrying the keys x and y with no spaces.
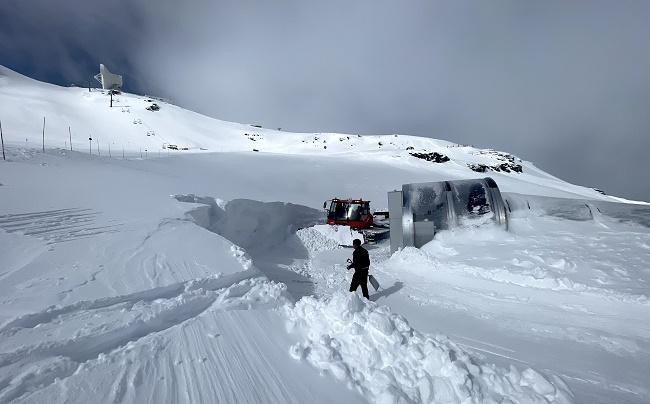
{"x":76,"y":114}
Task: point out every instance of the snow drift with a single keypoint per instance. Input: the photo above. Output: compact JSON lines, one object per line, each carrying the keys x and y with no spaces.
{"x":378,"y":353}
{"x":319,"y":237}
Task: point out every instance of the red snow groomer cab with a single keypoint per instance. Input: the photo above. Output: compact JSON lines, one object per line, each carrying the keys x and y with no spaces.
{"x":356,"y":214}
{"x":349,"y":212}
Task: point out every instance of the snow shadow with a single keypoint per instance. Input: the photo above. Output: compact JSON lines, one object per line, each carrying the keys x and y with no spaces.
{"x":397,"y":286}
{"x":266,"y":230}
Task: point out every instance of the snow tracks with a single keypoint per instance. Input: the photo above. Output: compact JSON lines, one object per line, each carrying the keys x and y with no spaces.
{"x":39,"y":348}
{"x":56,"y":226}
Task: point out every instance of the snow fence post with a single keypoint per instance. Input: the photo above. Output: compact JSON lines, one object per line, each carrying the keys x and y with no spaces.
{"x":43,"y":134}
{"x":70,"y":133}
{"x":2,"y":139}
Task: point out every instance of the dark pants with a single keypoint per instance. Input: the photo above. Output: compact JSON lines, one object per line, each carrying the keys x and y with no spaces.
{"x":360,"y":277}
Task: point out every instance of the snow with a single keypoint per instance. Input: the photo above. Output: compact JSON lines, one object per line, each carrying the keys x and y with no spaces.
{"x":129,"y":127}
{"x":342,"y":235}
{"x":379,"y":354}
{"x":576,"y":291}
{"x":72,"y":335}
{"x":209,"y":276}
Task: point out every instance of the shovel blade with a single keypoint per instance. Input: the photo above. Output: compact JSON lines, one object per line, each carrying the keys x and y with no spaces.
{"x":373,"y":282}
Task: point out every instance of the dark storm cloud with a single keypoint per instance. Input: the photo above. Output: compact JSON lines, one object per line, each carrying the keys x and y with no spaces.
{"x":62,"y":41}
{"x":564,"y":84}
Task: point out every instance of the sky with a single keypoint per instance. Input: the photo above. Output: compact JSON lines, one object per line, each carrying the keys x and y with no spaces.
{"x":565,"y":84}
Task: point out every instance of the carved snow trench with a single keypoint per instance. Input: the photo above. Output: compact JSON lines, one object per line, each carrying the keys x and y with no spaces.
{"x":266,"y":231}
{"x":39,"y":348}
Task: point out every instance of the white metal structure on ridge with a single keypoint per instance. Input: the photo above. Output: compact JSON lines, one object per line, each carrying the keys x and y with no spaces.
{"x":108,"y":80}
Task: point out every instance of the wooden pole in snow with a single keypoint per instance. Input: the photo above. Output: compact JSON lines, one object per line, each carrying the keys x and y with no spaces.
{"x":109,"y":150}
{"x":70,"y":133}
{"x":43,"y":134}
{"x":2,"y":139}
{"x":90,"y":145}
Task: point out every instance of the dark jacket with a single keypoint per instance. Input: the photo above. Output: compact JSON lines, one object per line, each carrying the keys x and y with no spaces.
{"x":360,"y":259}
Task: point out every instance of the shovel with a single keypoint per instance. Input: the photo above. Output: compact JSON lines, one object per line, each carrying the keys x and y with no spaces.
{"x":373,"y":282}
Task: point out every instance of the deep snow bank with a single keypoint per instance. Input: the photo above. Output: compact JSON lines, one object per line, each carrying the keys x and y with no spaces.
{"x":544,"y":253}
{"x":255,"y":226}
{"x":322,"y":237}
{"x":378,"y":353}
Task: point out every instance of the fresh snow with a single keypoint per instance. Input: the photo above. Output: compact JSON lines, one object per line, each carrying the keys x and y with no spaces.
{"x":378,"y":353}
{"x":130,"y":127}
{"x":209,"y":276}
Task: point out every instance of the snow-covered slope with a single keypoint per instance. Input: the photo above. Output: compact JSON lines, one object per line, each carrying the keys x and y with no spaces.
{"x":205,"y":276}
{"x":129,"y":128}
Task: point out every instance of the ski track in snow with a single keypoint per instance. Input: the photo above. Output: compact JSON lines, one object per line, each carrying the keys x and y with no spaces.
{"x":56,"y":226}
{"x":97,"y":327}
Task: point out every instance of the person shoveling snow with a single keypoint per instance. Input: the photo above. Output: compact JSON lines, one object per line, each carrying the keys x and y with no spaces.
{"x":361,"y":264}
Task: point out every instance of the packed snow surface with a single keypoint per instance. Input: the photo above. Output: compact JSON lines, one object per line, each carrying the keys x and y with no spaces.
{"x":208,"y":275}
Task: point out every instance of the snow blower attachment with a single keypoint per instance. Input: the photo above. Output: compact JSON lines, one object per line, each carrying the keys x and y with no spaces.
{"x":356,"y":214}
{"x":421,"y":210}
